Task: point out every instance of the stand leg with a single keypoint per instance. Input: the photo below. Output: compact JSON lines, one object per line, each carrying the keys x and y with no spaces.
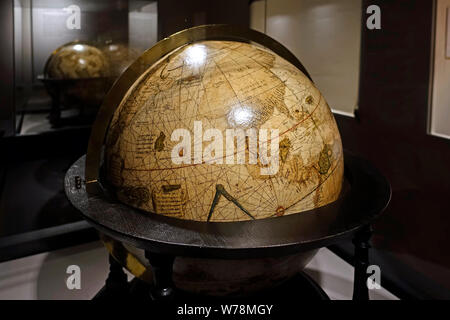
{"x":361,"y":242}
{"x":162,"y":289}
{"x":116,"y":285}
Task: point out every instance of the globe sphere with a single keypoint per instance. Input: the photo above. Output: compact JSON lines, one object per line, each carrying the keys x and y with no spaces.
{"x":222,"y":131}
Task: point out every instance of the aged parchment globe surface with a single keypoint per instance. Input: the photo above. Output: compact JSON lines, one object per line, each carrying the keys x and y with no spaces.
{"x":78,"y":61}
{"x":224,"y":85}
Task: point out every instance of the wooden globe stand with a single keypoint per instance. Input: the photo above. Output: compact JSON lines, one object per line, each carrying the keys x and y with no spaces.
{"x":365,"y":195}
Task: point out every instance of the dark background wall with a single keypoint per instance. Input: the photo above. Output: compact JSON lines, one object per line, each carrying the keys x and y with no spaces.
{"x":412,"y":237}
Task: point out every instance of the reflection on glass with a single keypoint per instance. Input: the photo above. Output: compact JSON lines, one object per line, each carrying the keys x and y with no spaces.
{"x":62,"y":73}
{"x":77,"y":61}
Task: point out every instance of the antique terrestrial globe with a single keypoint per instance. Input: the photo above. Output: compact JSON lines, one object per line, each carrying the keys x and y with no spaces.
{"x":216,"y":125}
{"x":81,"y":70}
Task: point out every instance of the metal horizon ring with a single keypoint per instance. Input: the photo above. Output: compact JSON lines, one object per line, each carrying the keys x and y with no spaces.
{"x":148,"y":59}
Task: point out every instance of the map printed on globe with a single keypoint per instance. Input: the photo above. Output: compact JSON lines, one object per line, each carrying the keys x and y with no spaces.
{"x":168,"y":145}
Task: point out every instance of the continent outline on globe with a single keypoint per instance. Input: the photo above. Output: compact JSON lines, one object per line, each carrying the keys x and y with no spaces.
{"x":211,"y":83}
